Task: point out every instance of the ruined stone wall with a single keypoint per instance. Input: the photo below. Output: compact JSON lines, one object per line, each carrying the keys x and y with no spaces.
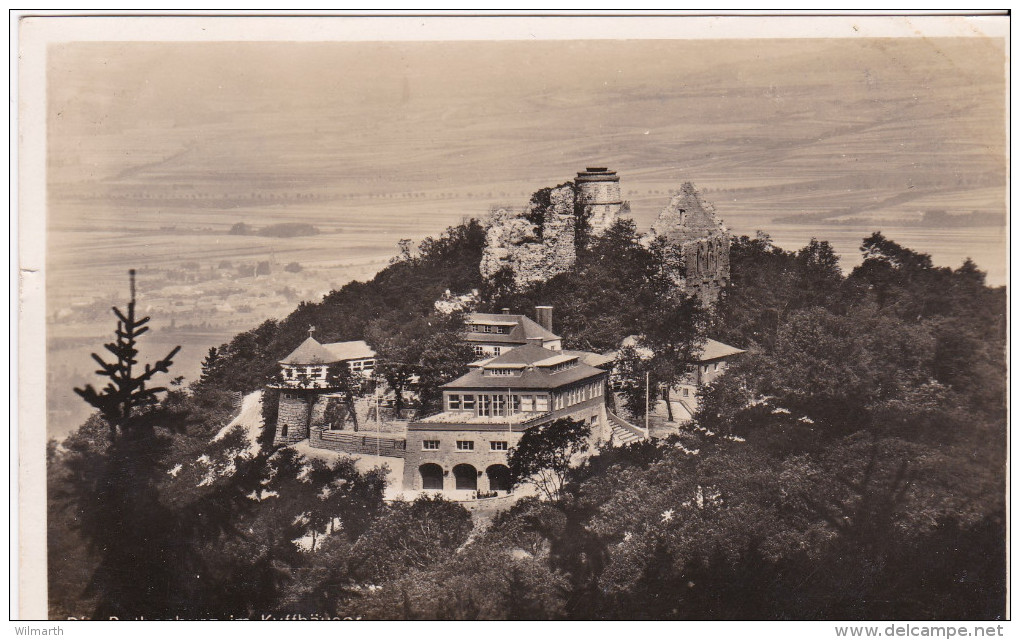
{"x":530,"y":251}
{"x":542,"y":241}
{"x":691,"y":225}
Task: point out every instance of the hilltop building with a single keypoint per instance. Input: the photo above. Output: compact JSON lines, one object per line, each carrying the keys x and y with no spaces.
{"x":491,"y":334}
{"x":524,"y":378}
{"x":464,"y":448}
{"x":542,"y":241}
{"x":712,"y":361}
{"x":305,"y":385}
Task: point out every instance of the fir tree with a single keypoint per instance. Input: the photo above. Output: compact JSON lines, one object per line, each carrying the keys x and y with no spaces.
{"x":125,"y":391}
{"x":209,"y":364}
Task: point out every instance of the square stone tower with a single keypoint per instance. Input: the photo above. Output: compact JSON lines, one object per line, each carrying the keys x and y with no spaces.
{"x":598,"y":198}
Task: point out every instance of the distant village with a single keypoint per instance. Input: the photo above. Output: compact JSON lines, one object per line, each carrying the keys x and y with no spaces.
{"x":523,"y":378}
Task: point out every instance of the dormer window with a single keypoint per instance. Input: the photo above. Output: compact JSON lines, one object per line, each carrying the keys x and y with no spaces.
{"x":502,"y":372}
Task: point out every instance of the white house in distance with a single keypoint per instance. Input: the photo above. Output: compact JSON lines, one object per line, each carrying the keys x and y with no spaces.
{"x":307,"y":365}
{"x":713,"y":360}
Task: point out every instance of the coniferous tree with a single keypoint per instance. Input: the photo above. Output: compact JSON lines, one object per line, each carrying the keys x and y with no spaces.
{"x":209,"y":364}
{"x":142,"y":559}
{"x":125,"y":391}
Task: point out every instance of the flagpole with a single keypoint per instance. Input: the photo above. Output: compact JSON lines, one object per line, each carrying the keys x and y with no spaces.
{"x":647,"y":399}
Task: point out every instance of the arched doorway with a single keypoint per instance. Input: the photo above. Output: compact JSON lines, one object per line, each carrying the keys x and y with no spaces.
{"x":431,"y":476}
{"x":499,"y":477}
{"x":466,"y":477}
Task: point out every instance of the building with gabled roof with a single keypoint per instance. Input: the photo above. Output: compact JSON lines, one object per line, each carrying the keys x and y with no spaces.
{"x":304,"y":382}
{"x":464,"y":448}
{"x":491,"y":334}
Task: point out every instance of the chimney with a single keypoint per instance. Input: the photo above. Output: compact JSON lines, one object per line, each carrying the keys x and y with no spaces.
{"x":506,"y":311}
{"x":543,"y":316}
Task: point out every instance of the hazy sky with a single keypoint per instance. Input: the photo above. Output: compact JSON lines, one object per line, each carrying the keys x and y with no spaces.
{"x":399,"y":96}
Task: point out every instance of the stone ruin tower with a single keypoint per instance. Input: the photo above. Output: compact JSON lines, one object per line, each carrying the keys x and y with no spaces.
{"x":597,"y":198}
{"x":691,"y":224}
{"x":542,"y":241}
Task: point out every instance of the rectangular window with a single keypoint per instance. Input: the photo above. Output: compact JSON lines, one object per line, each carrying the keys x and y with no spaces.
{"x":485,"y":405}
{"x":497,"y":350}
{"x":527,"y":403}
{"x":498,"y":445}
{"x":541,"y":403}
{"x":465,"y":445}
{"x":453,"y":402}
{"x":515,"y":404}
{"x":479,"y":350}
{"x":502,"y":372}
{"x":468,"y":403}
{"x":429,"y":445}
{"x":499,"y":405}
{"x":687,"y":392}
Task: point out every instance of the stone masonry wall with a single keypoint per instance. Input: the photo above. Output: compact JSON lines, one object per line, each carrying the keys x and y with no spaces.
{"x":530,"y":252}
{"x":448,"y":456}
{"x":292,"y":419}
{"x":690,"y":223}
{"x":535,"y":252}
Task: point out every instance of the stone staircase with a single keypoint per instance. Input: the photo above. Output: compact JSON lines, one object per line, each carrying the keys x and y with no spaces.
{"x":623,"y":433}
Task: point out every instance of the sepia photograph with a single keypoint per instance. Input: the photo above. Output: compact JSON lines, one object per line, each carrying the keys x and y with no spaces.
{"x":621,"y":317}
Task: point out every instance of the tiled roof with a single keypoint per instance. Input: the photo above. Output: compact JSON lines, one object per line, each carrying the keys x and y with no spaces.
{"x":594,"y":359}
{"x":524,"y":354}
{"x":352,"y":350}
{"x":493,"y":338}
{"x":559,"y":358}
{"x":531,"y":378}
{"x":312,"y":352}
{"x":713,"y":350}
{"x":524,"y":328}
